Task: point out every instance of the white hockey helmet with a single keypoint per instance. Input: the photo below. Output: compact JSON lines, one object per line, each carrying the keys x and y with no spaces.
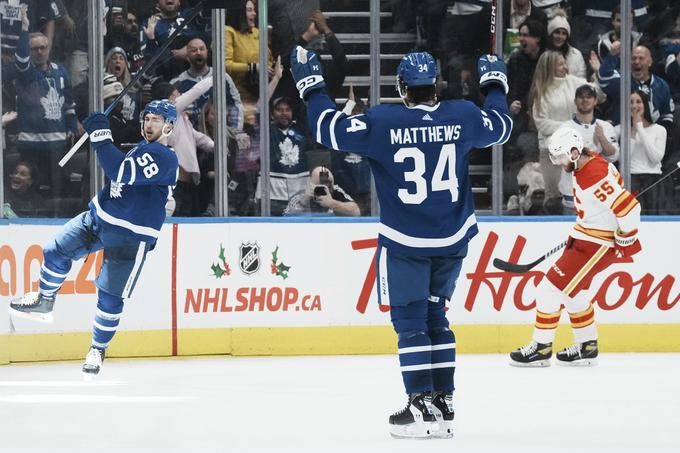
{"x":561,"y":143}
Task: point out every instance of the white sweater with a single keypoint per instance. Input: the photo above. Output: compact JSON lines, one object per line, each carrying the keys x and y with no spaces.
{"x":557,"y":106}
{"x":647,"y":148}
{"x":576,"y":63}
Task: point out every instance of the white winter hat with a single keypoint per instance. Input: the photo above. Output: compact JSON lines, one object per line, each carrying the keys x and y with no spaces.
{"x":556,"y":22}
{"x":112,"y":87}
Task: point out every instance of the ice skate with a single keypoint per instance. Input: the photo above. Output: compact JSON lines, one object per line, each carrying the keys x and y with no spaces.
{"x":532,"y":355}
{"x":580,"y":354}
{"x":93,"y":362}
{"x":416,"y":420}
{"x":442,"y":408}
{"x":33,"y":306}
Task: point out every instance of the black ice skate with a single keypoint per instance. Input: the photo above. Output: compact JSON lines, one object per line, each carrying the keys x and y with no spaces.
{"x":93,"y":362}
{"x":442,"y":408}
{"x":33,"y":306}
{"x":532,"y":355}
{"x":580,"y":354}
{"x":416,"y":420}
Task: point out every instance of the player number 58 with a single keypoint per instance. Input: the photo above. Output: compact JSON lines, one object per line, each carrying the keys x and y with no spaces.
{"x":149,"y":167}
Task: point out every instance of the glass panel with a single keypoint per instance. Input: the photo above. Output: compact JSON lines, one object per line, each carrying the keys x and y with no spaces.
{"x":456,"y":35}
{"x":305,"y":176}
{"x":548,"y":51}
{"x":655,"y":87}
{"x":137,"y":29}
{"x":242,"y":79}
{"x":40,"y":93}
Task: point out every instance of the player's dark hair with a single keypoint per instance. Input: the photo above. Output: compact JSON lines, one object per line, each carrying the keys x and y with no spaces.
{"x":421,"y":94}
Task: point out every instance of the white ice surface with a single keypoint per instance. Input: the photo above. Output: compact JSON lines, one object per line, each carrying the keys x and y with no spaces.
{"x":628,"y":403}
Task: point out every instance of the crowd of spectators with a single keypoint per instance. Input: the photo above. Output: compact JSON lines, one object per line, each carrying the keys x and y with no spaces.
{"x":563,"y":65}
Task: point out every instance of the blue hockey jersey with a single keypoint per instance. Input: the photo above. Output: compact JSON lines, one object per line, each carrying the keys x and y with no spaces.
{"x":44,"y":102}
{"x":140,"y":182}
{"x":419,"y":159}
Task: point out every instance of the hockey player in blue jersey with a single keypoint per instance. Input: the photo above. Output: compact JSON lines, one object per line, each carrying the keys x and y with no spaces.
{"x":418,"y":154}
{"x":124,"y":219}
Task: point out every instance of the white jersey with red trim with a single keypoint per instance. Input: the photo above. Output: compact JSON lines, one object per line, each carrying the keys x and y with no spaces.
{"x":602,"y":203}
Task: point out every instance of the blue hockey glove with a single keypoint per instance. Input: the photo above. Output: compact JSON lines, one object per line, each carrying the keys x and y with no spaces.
{"x":97,"y":126}
{"x":306,"y":68}
{"x":492,"y":71}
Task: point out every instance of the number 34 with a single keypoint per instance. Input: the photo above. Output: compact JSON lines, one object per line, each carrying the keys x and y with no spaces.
{"x":447,"y":160}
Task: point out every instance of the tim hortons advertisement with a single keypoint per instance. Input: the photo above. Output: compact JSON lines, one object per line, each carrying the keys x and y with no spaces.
{"x":322,"y":274}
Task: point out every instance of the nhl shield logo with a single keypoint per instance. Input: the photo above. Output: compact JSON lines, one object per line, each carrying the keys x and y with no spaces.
{"x":249,"y":257}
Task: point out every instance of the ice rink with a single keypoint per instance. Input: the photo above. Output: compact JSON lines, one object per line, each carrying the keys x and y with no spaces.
{"x":628,"y":403}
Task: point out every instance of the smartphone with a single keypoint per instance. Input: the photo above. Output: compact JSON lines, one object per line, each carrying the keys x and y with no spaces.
{"x":323,"y":178}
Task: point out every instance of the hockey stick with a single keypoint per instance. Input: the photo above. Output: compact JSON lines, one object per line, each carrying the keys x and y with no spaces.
{"x":197,"y":10}
{"x":522,"y":268}
{"x":492,"y":35}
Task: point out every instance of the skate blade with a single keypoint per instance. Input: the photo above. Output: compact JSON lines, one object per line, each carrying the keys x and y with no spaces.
{"x":46,"y":318}
{"x":578,"y":363}
{"x":89,"y":377}
{"x":445,"y":430}
{"x":536,"y":364}
{"x":417,"y":431}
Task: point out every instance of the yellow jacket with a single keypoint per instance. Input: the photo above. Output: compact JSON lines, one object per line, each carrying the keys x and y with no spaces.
{"x":242,"y":49}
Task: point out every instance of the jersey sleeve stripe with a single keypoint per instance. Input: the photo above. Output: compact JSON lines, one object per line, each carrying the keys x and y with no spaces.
{"x":331,"y":128}
{"x":133,"y":170}
{"x":623,"y":196}
{"x":627,"y":208}
{"x":507,"y":128}
{"x":318,"y":124}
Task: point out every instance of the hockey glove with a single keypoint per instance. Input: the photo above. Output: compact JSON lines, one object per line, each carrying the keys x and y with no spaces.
{"x":492,"y":71}
{"x":97,"y":126}
{"x":626,"y":244}
{"x":306,"y":68}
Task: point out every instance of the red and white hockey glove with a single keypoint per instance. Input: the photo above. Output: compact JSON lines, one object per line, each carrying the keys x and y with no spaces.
{"x":626,"y":244}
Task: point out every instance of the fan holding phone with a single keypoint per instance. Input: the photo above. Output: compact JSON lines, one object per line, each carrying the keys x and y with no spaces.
{"x":323,"y":196}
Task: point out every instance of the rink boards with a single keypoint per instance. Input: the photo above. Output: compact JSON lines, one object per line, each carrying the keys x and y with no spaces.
{"x":301,"y":286}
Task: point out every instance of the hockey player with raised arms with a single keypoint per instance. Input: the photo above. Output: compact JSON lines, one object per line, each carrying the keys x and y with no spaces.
{"x":418,"y":154}
{"x":124,"y":220}
{"x":607,"y":221}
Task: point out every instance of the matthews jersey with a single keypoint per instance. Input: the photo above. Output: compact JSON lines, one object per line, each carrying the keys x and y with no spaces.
{"x":602,"y":203}
{"x":140,"y":182}
{"x":419,"y":159}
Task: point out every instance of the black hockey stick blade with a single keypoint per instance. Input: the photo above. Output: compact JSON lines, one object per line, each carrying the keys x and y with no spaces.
{"x":522,"y":268}
{"x":515,"y":267}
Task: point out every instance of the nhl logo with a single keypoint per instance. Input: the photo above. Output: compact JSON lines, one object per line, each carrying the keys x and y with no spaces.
{"x":249,"y":258}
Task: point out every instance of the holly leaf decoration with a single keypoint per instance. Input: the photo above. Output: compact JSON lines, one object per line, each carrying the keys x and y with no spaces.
{"x":221,"y":255}
{"x":217,"y":270}
{"x":275,"y":253}
{"x":283,"y":270}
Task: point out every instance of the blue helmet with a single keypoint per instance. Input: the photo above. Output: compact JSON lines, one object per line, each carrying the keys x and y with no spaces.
{"x":417,"y":68}
{"x":163,"y":108}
